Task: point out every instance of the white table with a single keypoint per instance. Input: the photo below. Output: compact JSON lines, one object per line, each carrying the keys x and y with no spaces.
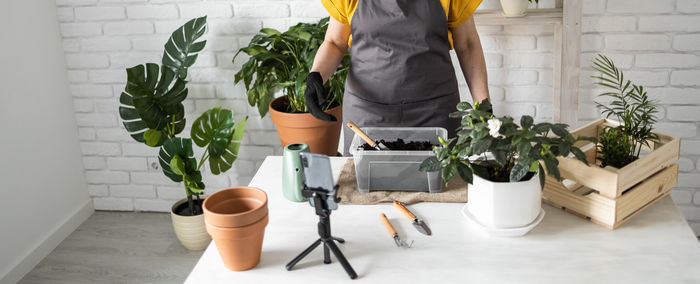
{"x":657,"y":246}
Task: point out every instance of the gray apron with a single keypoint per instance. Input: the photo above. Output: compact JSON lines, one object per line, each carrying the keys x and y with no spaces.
{"x":400,"y":71}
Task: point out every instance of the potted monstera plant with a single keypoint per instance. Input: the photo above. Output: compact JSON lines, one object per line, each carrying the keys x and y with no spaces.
{"x":281,"y":61}
{"x":152,"y":112}
{"x":503,"y":162}
{"x":516,"y":8}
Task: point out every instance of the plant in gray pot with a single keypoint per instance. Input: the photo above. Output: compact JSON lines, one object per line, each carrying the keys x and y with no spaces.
{"x":152,"y":112}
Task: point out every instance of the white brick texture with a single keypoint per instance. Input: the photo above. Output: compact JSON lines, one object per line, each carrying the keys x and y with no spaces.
{"x":656,"y":43}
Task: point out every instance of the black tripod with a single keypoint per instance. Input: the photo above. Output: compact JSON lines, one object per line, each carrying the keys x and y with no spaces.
{"x":319,"y":197}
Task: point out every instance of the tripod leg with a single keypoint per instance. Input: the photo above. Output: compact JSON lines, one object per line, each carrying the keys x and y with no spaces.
{"x":341,"y":258}
{"x":340,"y":240}
{"x":326,"y":253}
{"x":299,"y":257}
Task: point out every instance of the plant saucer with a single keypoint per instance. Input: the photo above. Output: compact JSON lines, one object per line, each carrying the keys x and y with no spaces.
{"x":503,"y":232}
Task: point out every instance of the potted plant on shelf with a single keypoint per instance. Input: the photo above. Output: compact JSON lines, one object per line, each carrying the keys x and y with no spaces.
{"x":152,"y":112}
{"x":516,"y":8}
{"x":281,"y":61}
{"x":503,"y":162}
{"x":635,"y":164}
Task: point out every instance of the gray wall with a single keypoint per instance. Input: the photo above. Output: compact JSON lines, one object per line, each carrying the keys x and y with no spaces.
{"x":44,"y":193}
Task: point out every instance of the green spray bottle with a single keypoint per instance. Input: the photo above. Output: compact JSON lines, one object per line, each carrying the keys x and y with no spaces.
{"x":292,"y":178}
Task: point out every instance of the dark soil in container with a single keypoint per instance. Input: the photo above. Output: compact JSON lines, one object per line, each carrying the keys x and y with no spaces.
{"x":184,"y":210}
{"x":399,"y":144}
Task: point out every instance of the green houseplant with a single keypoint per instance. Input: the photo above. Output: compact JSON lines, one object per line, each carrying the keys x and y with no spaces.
{"x":631,"y":106}
{"x":152,"y":112}
{"x":504,"y":163}
{"x":281,"y":61}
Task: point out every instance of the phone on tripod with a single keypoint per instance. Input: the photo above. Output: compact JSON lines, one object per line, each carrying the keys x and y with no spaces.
{"x":318,"y":176}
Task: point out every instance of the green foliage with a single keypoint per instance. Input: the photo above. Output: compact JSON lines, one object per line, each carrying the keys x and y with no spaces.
{"x":630,"y":105}
{"x":282,"y":60}
{"x":152,"y":112}
{"x":516,"y":150}
{"x":614,"y":148}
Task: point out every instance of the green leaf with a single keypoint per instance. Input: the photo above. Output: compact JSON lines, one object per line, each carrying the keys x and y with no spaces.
{"x":430,"y":164}
{"x":152,"y":137}
{"x":224,"y":162}
{"x":152,"y":99}
{"x":481,"y":146}
{"x":533,"y":166}
{"x":524,"y":147}
{"x":518,"y":172}
{"x":500,"y":157}
{"x":177,"y":165}
{"x":181,"y":46}
{"x":212,"y":130}
{"x":526,"y":121}
{"x":449,"y":172}
{"x":463,"y":106}
{"x":541,"y":176}
{"x":465,"y":173}
{"x":552,"y":168}
{"x":560,"y":130}
{"x":579,"y":155}
{"x":182,"y":147}
{"x":564,"y":148}
{"x":269,"y":31}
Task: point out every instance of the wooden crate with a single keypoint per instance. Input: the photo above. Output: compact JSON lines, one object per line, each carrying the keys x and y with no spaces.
{"x":610,"y":196}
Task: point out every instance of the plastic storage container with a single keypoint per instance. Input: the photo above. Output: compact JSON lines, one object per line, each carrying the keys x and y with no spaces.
{"x":396,"y":170}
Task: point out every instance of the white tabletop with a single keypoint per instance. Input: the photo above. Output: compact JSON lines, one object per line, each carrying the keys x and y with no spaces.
{"x":657,"y":246}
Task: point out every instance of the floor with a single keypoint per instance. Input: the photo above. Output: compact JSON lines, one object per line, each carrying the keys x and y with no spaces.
{"x":118,"y":247}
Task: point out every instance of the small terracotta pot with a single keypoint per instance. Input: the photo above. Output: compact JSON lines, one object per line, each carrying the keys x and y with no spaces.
{"x":190,"y":230}
{"x":235,"y":207}
{"x":321,"y":136}
{"x":236,"y":219}
{"x":239,"y":247}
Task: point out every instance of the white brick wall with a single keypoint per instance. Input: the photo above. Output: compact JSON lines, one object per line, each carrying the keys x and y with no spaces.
{"x":657,"y":42}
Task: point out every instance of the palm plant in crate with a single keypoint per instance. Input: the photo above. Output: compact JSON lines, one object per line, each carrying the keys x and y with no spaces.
{"x":504,"y":163}
{"x":152,"y":112}
{"x":281,"y":61}
{"x":631,"y":106}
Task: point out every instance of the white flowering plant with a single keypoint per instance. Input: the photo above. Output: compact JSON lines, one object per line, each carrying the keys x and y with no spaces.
{"x":515,"y":150}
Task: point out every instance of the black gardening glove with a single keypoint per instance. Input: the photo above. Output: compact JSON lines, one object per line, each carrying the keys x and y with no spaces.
{"x":315,"y":96}
{"x":486,"y":104}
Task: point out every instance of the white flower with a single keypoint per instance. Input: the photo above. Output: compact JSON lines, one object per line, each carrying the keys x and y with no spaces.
{"x":494,"y":125}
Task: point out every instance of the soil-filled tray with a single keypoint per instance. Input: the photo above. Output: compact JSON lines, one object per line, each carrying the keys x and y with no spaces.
{"x":396,"y":170}
{"x":401,"y":145}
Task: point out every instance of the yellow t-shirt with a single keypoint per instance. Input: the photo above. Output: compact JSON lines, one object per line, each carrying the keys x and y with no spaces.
{"x":456,"y":11}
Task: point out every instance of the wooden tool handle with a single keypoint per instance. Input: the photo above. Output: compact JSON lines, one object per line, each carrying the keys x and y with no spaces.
{"x":362,"y":135}
{"x":387,"y":224}
{"x":404,"y":210}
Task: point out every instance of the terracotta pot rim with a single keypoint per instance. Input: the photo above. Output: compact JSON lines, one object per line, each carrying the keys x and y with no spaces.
{"x":235,"y":233}
{"x":236,"y":219}
{"x":183,"y":200}
{"x":291,"y":119}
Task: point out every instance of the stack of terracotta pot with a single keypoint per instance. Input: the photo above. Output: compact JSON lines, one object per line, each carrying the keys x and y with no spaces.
{"x":236,"y":219}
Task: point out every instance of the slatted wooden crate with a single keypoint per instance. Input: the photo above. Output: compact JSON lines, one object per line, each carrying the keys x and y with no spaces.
{"x":610,"y":196}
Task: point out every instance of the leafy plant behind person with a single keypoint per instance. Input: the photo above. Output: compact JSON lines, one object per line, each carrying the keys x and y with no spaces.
{"x":282,"y":60}
{"x":152,"y":112}
{"x":631,"y":106}
{"x":517,"y":149}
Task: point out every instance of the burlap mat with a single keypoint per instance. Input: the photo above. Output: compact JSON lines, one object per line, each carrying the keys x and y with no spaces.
{"x":455,"y":191}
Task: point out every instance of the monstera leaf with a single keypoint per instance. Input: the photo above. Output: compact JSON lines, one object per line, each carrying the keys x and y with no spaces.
{"x":177,"y":160}
{"x":215,"y":130}
{"x":151,"y":104}
{"x":177,"y":55}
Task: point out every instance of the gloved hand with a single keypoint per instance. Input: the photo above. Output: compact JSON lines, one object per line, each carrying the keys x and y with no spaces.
{"x":315,"y":96}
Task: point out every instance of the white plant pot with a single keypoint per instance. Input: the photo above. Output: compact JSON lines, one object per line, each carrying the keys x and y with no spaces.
{"x":190,"y":230}
{"x":505,"y":205}
{"x":514,"y":8}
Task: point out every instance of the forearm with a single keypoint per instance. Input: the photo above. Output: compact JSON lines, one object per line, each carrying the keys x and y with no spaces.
{"x":473,"y":64}
{"x":327,"y":59}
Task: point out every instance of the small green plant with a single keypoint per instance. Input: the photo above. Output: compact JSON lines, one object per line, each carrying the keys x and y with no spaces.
{"x":282,"y":60}
{"x":152,"y":112}
{"x":631,"y":106}
{"x":517,"y":150}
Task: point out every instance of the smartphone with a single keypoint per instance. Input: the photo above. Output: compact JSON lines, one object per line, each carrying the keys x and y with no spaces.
{"x":318,"y":174}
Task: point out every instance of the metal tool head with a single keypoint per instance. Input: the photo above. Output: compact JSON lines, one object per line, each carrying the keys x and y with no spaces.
{"x":401,"y":243}
{"x":380,"y":146}
{"x":421,"y":226}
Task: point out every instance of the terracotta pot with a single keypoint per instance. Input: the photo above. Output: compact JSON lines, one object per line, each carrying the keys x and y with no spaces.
{"x":236,"y":218}
{"x":190,"y":230}
{"x":239,"y":247}
{"x":235,"y":207}
{"x":321,"y":136}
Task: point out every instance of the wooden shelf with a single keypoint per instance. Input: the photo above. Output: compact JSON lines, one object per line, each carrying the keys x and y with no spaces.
{"x":533,"y":16}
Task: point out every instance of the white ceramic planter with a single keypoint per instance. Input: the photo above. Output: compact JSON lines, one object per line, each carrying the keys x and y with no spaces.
{"x":514,"y":8}
{"x":190,"y":230}
{"x":505,"y":205}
